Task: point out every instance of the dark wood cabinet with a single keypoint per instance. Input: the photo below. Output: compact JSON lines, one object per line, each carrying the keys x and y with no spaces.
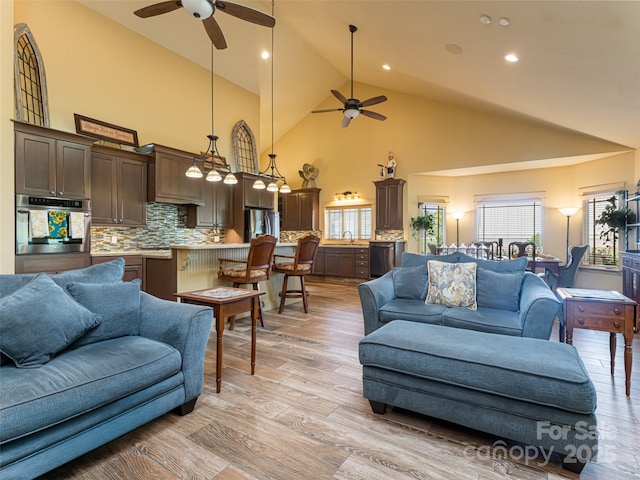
{"x":631,"y":277}
{"x":389,"y":203}
{"x":167,"y":180}
{"x":119,"y":187}
{"x":217,"y":211}
{"x":133,"y":266}
{"x":300,"y":209}
{"x":54,"y":263}
{"x":318,"y":264}
{"x":52,"y":163}
{"x":346,"y":262}
{"x":251,"y":197}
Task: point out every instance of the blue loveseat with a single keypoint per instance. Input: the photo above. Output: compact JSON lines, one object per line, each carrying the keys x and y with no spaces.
{"x":510,"y":301}
{"x":87,"y":358}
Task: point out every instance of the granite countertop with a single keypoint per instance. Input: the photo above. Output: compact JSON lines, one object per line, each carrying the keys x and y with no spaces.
{"x":222,"y":246}
{"x":345,"y":245}
{"x":159,"y":253}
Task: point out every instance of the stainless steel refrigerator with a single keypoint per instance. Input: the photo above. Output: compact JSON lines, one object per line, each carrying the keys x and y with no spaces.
{"x":259,"y":222}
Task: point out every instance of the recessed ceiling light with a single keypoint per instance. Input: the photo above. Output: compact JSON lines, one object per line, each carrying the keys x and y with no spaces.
{"x":386,"y":67}
{"x":504,"y":21}
{"x":485,"y":19}
{"x":511,"y":57}
{"x":265,"y":54}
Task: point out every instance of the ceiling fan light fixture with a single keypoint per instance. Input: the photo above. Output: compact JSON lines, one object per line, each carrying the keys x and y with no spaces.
{"x":351,"y":112}
{"x":198,"y":8}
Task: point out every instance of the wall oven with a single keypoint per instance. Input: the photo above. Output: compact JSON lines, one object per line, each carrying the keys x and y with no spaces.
{"x":52,"y":225}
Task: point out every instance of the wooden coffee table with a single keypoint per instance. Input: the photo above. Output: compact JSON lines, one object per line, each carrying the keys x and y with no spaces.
{"x":603,"y":310}
{"x":226,"y":302}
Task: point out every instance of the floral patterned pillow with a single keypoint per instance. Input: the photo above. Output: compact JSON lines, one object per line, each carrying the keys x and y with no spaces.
{"x":452,"y":284}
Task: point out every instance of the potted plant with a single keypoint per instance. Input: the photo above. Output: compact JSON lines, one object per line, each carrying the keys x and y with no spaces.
{"x":422,"y":223}
{"x":614,"y":218}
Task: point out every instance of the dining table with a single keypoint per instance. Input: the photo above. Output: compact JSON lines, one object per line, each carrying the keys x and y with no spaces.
{"x":547,"y":261}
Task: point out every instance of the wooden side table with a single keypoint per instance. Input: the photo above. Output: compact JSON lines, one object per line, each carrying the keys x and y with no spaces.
{"x":602,"y":310}
{"x":226,"y":302}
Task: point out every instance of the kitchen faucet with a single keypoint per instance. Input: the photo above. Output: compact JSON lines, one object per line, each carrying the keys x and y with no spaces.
{"x":350,"y":236}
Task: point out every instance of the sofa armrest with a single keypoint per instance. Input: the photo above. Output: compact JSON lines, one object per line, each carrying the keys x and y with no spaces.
{"x":374,"y":294}
{"x":184,"y":327}
{"x":538,"y":307}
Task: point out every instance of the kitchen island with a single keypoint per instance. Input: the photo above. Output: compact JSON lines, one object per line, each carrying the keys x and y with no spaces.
{"x":194,"y":267}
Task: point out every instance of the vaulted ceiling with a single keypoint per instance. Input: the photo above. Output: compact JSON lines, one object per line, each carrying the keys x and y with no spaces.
{"x":579,"y":64}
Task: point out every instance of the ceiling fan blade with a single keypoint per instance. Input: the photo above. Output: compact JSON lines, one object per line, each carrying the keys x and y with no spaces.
{"x":346,"y":121}
{"x":373,"y":101}
{"x":370,"y":114}
{"x":215,"y":33}
{"x":158,"y":9}
{"x":246,"y":13}
{"x":339,"y":96}
{"x":327,"y":110}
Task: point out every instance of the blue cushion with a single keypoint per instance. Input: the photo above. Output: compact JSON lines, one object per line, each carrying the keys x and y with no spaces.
{"x":514,"y":265}
{"x":39,"y":320}
{"x":410,"y":259}
{"x":410,"y":282}
{"x":499,"y":290}
{"x":117,"y":303}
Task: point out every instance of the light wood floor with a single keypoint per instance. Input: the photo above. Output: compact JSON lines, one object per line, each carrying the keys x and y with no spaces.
{"x":302,"y":416}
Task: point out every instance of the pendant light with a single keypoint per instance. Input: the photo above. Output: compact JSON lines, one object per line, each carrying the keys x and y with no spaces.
{"x":274,"y":174}
{"x":211,"y":158}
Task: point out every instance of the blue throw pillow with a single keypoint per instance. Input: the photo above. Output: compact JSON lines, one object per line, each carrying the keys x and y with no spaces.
{"x":117,"y":303}
{"x":499,"y":290}
{"x":39,"y":320}
{"x":107,"y":272}
{"x":410,"y":282}
{"x":514,"y":265}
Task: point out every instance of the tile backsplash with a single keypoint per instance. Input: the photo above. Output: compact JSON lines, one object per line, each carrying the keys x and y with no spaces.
{"x":166,"y":225}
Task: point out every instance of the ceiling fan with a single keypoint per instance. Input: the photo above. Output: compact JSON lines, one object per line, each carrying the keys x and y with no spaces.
{"x":352,"y":106}
{"x":204,"y":10}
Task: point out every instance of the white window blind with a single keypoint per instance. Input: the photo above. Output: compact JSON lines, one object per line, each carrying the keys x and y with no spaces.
{"x":354,"y":219}
{"x":512,"y":221}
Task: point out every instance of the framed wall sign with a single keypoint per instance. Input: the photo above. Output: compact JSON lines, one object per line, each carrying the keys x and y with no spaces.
{"x":105,"y":131}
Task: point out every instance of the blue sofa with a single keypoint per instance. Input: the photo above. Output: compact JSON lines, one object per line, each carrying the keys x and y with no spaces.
{"x":87,"y":358}
{"x":510,"y":301}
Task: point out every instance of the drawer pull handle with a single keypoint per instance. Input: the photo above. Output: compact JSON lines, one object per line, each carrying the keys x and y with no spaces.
{"x":581,"y":321}
{"x":616,"y":324}
{"x":581,"y":308}
{"x":617,"y":311}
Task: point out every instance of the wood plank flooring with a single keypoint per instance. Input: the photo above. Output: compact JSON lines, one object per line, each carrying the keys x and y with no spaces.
{"x":302,"y":416}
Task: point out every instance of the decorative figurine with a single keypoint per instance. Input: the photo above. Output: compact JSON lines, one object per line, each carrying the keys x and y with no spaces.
{"x":391,"y":165}
{"x":309,"y":173}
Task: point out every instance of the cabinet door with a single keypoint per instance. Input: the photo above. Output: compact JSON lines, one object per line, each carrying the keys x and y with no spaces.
{"x":35,"y":164}
{"x":73,"y":170}
{"x":394,"y":207}
{"x":132,"y":192}
{"x":382,"y":207}
{"x":104,"y":189}
{"x":307,"y":211}
{"x":318,"y":264}
{"x":171,"y":184}
{"x":252,"y":197}
{"x":338,"y":264}
{"x":267,"y":199}
{"x":290,"y":211}
{"x":223,"y":205}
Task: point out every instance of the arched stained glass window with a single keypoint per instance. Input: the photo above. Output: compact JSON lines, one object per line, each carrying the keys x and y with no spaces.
{"x":30,"y":83}
{"x":244,"y":148}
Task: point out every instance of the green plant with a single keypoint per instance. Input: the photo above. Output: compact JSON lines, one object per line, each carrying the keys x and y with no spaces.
{"x":614,"y":218}
{"x":421,"y":223}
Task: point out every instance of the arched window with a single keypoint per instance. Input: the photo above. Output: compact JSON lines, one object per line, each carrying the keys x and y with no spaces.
{"x":30,"y":83}
{"x":244,"y":148}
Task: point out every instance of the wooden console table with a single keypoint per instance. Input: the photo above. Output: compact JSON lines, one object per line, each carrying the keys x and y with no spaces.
{"x":226,"y":302}
{"x":602,"y":310}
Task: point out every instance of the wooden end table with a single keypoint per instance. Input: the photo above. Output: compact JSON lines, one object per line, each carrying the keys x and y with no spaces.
{"x":603,"y":310}
{"x":226,"y":302}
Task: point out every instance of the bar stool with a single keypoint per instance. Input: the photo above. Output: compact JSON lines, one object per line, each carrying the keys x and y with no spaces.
{"x":257,"y":267}
{"x":301,"y":265}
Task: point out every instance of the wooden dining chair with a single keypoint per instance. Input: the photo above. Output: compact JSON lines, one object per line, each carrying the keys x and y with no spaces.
{"x":256,"y":268}
{"x":297,"y":265}
{"x":519,"y":249}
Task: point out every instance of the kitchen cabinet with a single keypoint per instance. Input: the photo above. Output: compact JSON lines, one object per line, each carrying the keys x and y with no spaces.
{"x":133,"y":266}
{"x":346,"y":262}
{"x":252,"y":198}
{"x":52,"y":163}
{"x":300,"y":209}
{"x":631,"y":277}
{"x":389,"y":203}
{"x":119,"y":187}
{"x":318,"y":264}
{"x":54,"y":263}
{"x":217,"y":211}
{"x":167,"y":182}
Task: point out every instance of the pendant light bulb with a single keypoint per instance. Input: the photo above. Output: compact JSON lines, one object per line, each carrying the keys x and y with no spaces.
{"x":259,"y":185}
{"x":230,"y":179}
{"x":194,"y":171}
{"x":285,"y":188}
{"x":213,"y":176}
{"x":272,"y":187}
